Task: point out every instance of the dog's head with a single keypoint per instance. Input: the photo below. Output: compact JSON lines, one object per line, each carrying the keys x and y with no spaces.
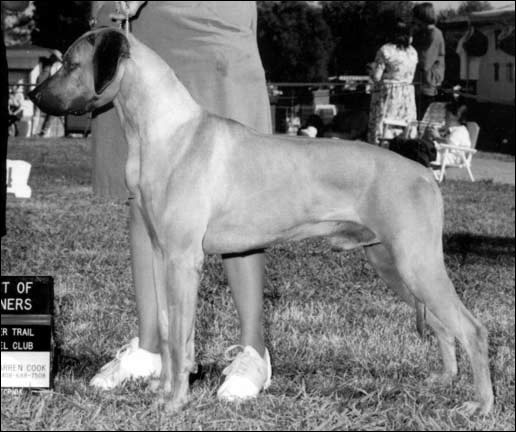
{"x":90,"y":76}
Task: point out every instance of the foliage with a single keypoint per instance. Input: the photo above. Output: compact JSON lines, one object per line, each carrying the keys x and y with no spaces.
{"x":445,"y":14}
{"x":358,"y":29}
{"x":18,"y":26}
{"x":467,"y":7}
{"x":59,"y":23}
{"x":298,"y":40}
{"x":294,"y":41}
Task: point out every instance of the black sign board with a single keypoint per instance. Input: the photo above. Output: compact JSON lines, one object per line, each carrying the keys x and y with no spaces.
{"x":27,"y":331}
{"x":24,"y":295}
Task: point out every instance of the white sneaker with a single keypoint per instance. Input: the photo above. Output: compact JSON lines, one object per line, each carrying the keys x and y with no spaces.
{"x":130,"y":362}
{"x":246,"y":376}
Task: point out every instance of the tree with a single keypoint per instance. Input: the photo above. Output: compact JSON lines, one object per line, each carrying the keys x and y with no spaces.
{"x":446,"y":14}
{"x":59,"y":23}
{"x":466,"y":7}
{"x":294,"y":41}
{"x":358,"y":29}
{"x":18,"y":27}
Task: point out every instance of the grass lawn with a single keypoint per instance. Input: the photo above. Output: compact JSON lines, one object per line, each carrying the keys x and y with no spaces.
{"x":344,"y":350}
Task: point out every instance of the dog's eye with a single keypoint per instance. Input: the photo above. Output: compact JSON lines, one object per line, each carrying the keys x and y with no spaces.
{"x":70,"y":66}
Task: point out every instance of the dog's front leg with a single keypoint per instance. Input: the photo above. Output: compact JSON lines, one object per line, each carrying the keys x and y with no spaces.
{"x":183,"y":276}
{"x":160,"y":290}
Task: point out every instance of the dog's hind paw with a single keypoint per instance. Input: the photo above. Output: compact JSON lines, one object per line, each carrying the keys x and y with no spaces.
{"x":470,"y":408}
{"x":155,"y":385}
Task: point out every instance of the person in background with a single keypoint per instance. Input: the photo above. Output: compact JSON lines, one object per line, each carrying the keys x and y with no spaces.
{"x":313,"y":127}
{"x":16,"y":100}
{"x":392,"y":72}
{"x":212,"y":48}
{"x":429,"y":43}
{"x":454,"y":132}
{"x":16,"y":6}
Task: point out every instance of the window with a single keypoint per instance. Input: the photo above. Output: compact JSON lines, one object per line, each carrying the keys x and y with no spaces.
{"x":497,"y":72}
{"x":497,"y":38}
{"x":510,"y":72}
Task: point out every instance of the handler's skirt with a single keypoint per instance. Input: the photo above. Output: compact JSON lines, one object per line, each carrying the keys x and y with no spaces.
{"x":212,"y":48}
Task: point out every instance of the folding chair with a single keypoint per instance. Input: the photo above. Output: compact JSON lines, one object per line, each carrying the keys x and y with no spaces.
{"x":434,"y":117}
{"x":392,"y":128}
{"x":464,"y":155}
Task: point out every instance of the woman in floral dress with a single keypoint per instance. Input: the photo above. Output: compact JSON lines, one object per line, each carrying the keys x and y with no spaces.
{"x":392,"y":72}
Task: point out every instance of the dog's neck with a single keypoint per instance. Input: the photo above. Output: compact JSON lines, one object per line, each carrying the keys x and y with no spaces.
{"x":150,"y":93}
{"x":152,"y":105}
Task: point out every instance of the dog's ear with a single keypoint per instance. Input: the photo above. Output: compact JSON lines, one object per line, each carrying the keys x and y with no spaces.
{"x":111,"y":47}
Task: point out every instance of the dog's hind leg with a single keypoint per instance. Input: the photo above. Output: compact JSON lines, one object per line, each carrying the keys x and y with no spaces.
{"x":424,"y":274}
{"x":381,"y":259}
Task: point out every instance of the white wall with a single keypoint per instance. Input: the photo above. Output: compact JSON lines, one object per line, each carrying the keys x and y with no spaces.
{"x":487,"y":88}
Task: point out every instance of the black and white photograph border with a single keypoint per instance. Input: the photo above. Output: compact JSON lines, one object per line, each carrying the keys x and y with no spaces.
{"x":273,"y":215}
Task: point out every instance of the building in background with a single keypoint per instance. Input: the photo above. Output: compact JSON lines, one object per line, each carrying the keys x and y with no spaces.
{"x":29,"y":65}
{"x":25,"y":63}
{"x":486,"y":53}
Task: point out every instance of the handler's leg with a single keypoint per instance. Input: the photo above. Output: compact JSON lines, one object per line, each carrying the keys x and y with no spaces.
{"x":140,"y":358}
{"x":250,"y":371}
{"x":246,"y":279}
{"x":143,"y":278}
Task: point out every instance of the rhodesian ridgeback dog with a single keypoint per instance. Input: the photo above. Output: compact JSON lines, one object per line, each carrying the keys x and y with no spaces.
{"x":206,"y":184}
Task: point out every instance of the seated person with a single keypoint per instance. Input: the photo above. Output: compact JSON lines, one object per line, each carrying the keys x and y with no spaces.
{"x":349,"y":125}
{"x":314,"y":127}
{"x":454,"y":132}
{"x":15,"y":110}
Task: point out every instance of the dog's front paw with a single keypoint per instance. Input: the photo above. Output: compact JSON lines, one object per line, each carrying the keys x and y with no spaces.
{"x":160,"y":386}
{"x":175,"y":405}
{"x":169,"y":403}
{"x":155,"y":385}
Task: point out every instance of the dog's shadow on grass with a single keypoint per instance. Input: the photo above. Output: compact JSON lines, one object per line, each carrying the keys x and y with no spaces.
{"x":467,"y":245}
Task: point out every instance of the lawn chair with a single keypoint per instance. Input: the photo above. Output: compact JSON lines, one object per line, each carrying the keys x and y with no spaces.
{"x":434,"y":118}
{"x":464,"y":155}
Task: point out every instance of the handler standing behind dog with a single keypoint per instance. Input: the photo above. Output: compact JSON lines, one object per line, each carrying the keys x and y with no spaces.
{"x":212,"y":48}
{"x":429,"y":43}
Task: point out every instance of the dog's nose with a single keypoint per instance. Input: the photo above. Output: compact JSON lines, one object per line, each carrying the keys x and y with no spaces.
{"x":34,"y":96}
{"x":46,"y":101}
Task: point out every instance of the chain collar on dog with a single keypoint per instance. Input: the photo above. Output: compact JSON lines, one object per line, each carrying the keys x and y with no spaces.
{"x":125,"y":23}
